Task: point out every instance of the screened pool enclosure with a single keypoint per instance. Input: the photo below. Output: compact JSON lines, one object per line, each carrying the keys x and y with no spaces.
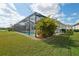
{"x":27,"y":25}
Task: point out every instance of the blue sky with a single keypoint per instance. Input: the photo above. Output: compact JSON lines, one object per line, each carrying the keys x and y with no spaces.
{"x":71,"y":12}
{"x":11,"y":13}
{"x":23,"y":9}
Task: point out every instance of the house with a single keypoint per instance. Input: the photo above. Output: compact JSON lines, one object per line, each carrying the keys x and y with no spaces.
{"x":76,"y":26}
{"x":27,"y":24}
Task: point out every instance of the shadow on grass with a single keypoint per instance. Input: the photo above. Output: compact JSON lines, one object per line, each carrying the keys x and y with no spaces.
{"x":63,"y":41}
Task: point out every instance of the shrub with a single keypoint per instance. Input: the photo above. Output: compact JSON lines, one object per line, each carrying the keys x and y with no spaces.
{"x":76,"y":30}
{"x":69,"y":32}
{"x":63,"y":30}
{"x":9,"y":29}
{"x":45,"y":27}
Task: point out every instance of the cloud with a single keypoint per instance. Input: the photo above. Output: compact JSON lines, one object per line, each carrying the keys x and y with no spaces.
{"x":59,"y":15}
{"x":77,"y":21}
{"x":9,"y":15}
{"x":12,"y":6}
{"x":64,"y":22}
{"x":69,"y":18}
{"x":54,"y":10}
{"x":46,"y":8}
{"x":62,"y":4}
{"x":73,"y":14}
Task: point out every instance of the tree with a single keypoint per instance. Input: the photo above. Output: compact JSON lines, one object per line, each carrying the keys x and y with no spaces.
{"x":45,"y":27}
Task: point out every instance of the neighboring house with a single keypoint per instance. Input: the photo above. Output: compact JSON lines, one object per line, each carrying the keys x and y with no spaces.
{"x":76,"y":26}
{"x":69,"y":26}
{"x":27,"y":24}
{"x":62,"y":26}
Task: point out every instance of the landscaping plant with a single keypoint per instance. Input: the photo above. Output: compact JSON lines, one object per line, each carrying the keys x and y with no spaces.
{"x":45,"y":27}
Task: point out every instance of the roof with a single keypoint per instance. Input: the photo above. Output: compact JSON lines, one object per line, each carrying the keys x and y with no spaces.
{"x":37,"y":14}
{"x":76,"y":24}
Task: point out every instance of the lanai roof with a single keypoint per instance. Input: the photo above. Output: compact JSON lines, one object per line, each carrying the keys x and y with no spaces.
{"x":37,"y":14}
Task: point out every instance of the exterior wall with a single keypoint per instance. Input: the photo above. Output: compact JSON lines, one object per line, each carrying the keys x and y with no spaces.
{"x":69,"y":27}
{"x":76,"y":27}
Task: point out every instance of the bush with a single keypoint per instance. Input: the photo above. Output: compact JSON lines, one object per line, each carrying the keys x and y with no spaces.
{"x":9,"y":29}
{"x":63,"y":30}
{"x":69,"y":32}
{"x":45,"y":27}
{"x":76,"y":30}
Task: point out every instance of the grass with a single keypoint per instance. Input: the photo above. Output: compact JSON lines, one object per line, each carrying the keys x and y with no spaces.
{"x":13,"y":44}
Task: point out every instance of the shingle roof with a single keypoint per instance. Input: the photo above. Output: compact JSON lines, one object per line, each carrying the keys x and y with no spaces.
{"x":76,"y":24}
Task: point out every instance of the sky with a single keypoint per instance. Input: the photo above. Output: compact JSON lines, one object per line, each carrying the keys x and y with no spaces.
{"x":12,"y":13}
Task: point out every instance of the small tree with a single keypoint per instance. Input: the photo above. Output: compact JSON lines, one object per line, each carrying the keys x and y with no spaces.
{"x":45,"y":27}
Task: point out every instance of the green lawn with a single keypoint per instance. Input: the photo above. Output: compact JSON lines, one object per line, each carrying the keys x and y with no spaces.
{"x":13,"y":44}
